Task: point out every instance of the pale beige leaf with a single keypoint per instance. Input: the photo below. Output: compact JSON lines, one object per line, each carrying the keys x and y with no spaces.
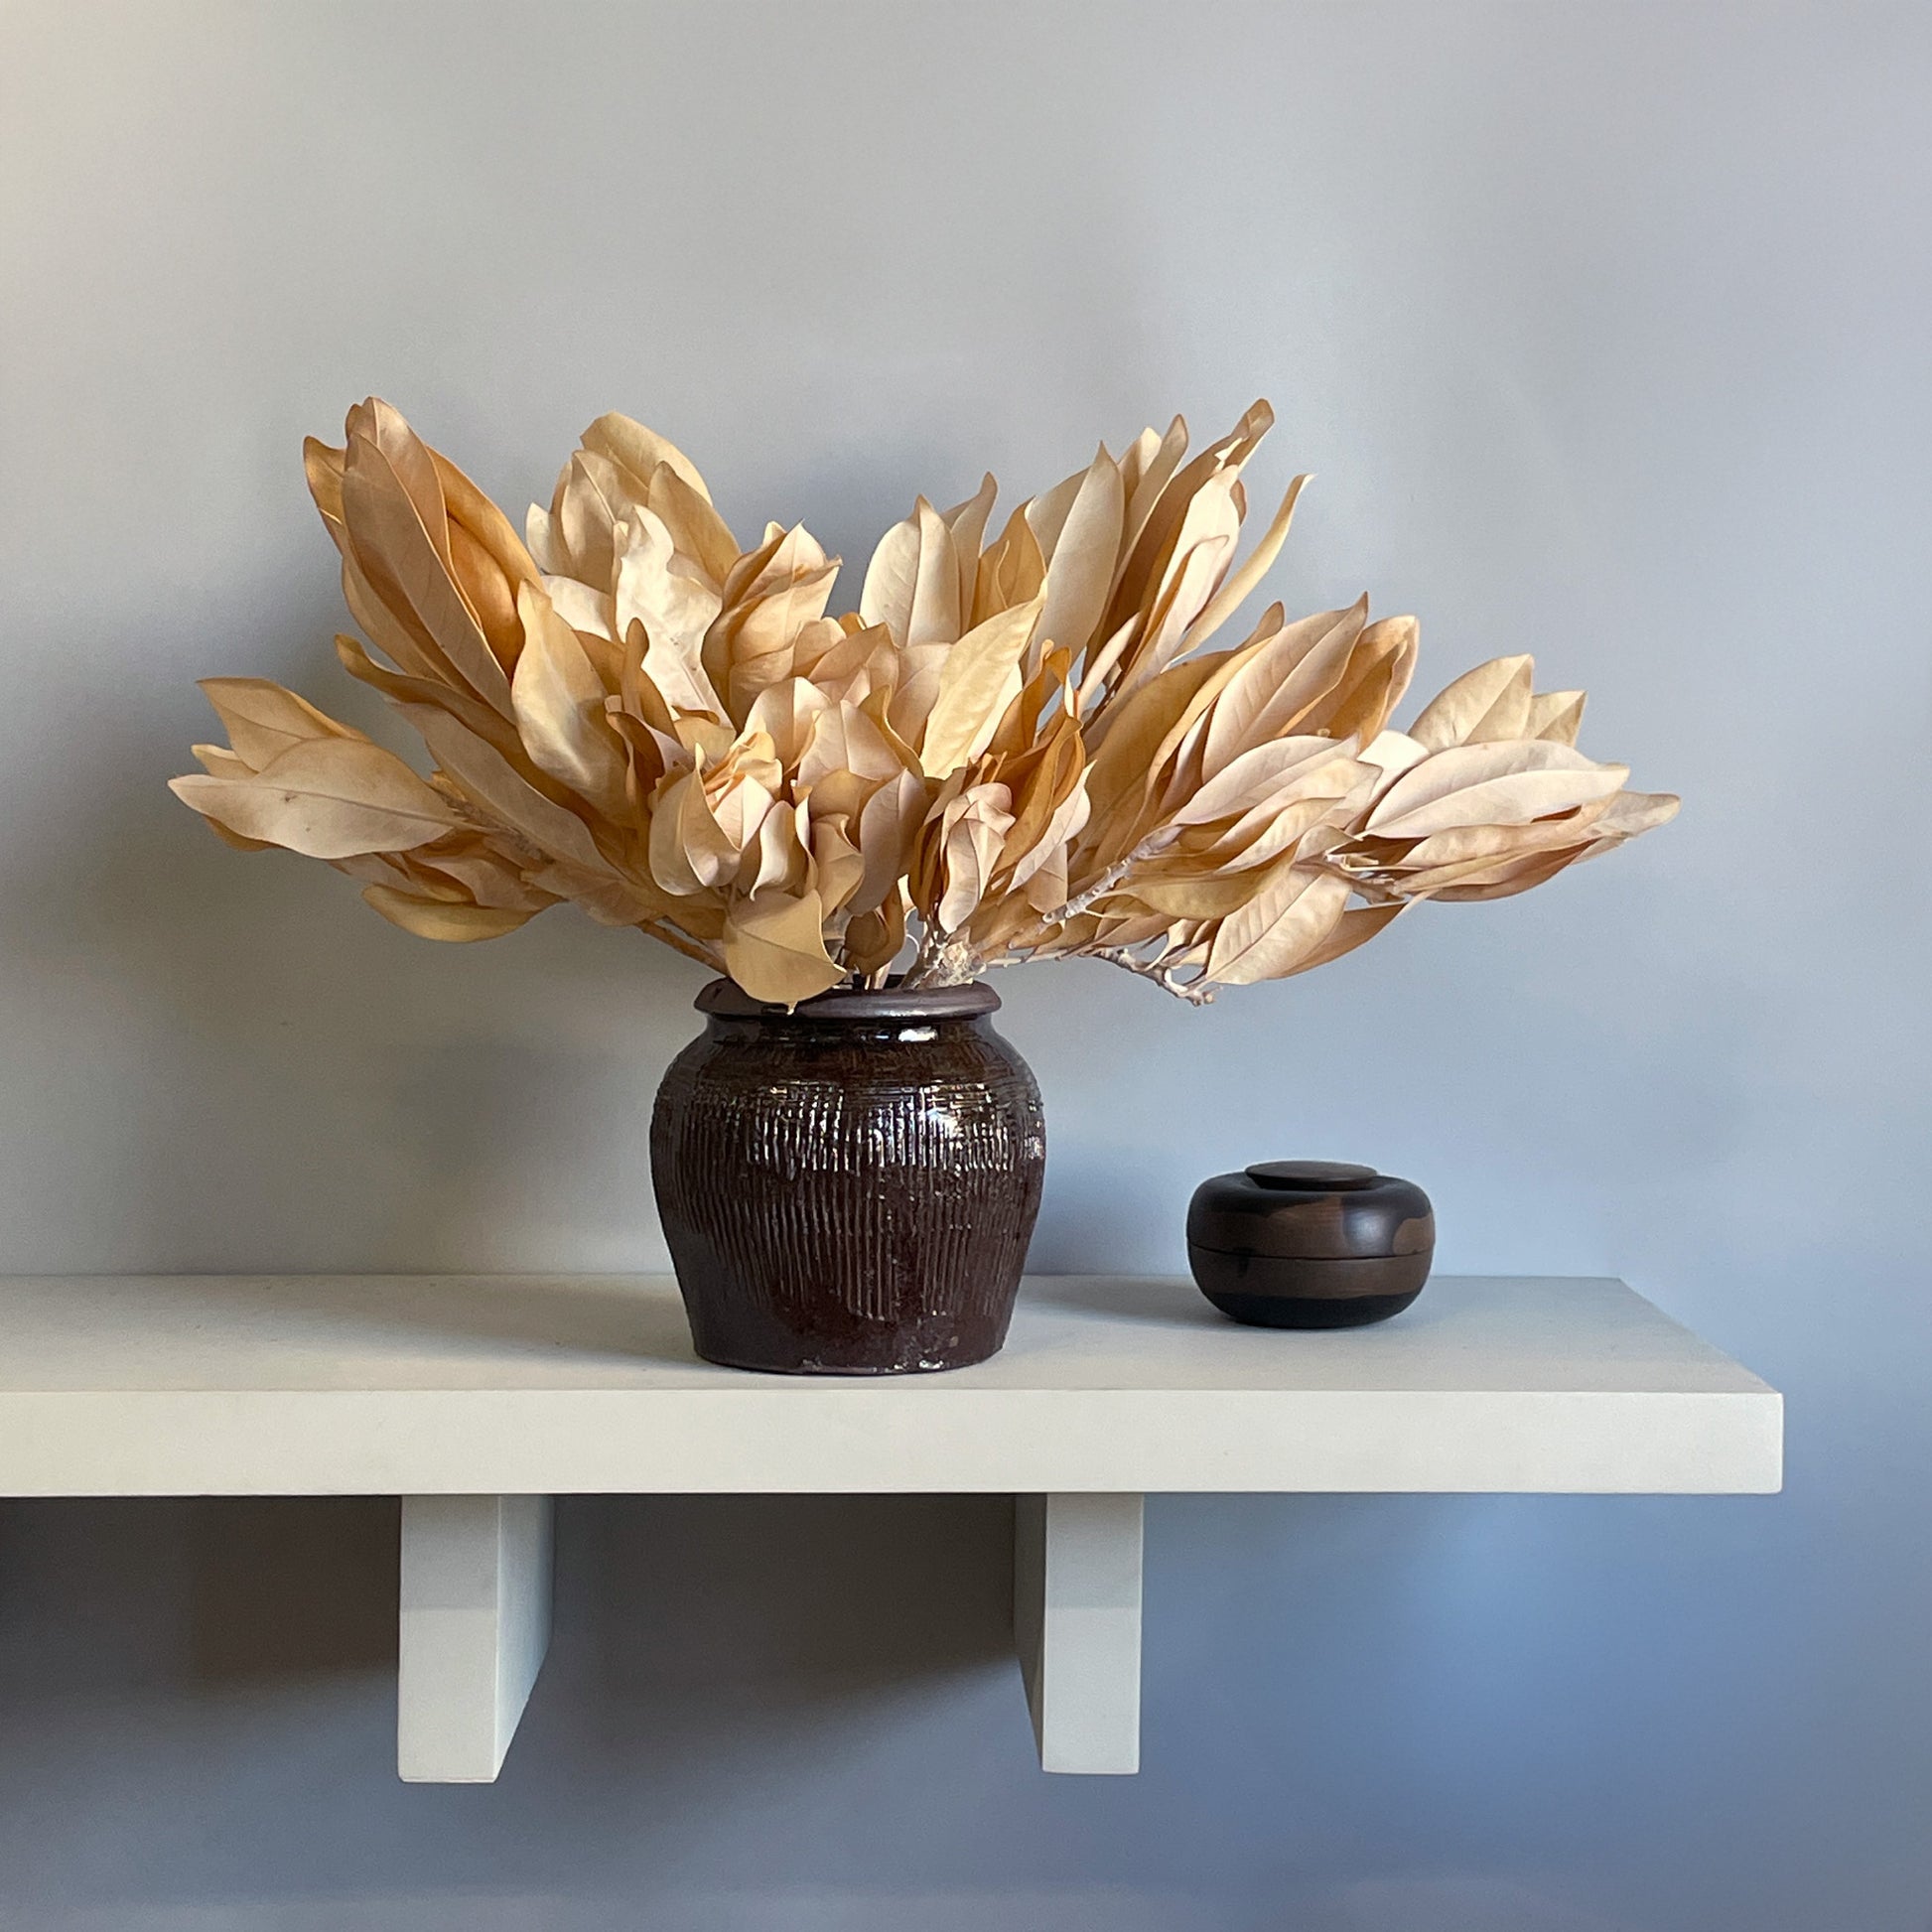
{"x":1278,"y":928}
{"x":980,"y":677}
{"x":430,"y":919}
{"x":1163,"y":638}
{"x":975,"y":828}
{"x":640,"y":451}
{"x":1482,"y":706}
{"x":838,"y":866}
{"x":1080,"y":571}
{"x":593,"y":495}
{"x":1214,"y":896}
{"x":580,"y":606}
{"x":1631,"y":813}
{"x":541,"y":539}
{"x":327,"y":797}
{"x":1068,"y":822}
{"x":1047,"y":513}
{"x":778,"y":857}
{"x":263,"y":720}
{"x":1475,"y":881}
{"x":934,"y":618}
{"x":221,"y":763}
{"x":1155,"y":470}
{"x":967,"y":522}
{"x":381,"y":426}
{"x":1556,"y":714}
{"x":887,"y":827}
{"x":1372,"y":682}
{"x":1502,"y":784}
{"x":1356,"y":928}
{"x":1508,"y":842}
{"x":667,"y":592}
{"x":482,"y":873}
{"x":774,"y":948}
{"x":1263,"y":836}
{"x":475,"y":512}
{"x":558,"y":699}
{"x":1392,"y":754}
{"x":323,"y":466}
{"x":740,"y":809}
{"x":688,"y":850}
{"x":457,"y":699}
{"x":404,"y":564}
{"x":844,"y":739}
{"x":1119,"y":779}
{"x":1276,"y":687}
{"x":1242,"y":582}
{"x":1273,"y":775}
{"x":787,"y":712}
{"x":1048,"y":888}
{"x":697,"y":529}
{"x":890,"y":578}
{"x":488,"y":779}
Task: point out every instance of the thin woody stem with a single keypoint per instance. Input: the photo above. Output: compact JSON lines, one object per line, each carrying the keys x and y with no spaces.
{"x":1193,"y":992}
{"x":679,"y":941}
{"x":1105,"y":884}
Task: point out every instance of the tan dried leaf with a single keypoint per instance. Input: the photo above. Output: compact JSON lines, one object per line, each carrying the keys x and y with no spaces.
{"x":980,"y":677}
{"x":326,"y":797}
{"x":263,"y":721}
{"x":774,"y":948}
{"x":1503,"y":783}
{"x":455,"y":922}
{"x":1270,"y":936}
{"x":559,"y":701}
{"x":1482,"y":706}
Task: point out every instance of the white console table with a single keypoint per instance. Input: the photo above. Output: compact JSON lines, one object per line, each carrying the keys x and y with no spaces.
{"x":477,"y":1398}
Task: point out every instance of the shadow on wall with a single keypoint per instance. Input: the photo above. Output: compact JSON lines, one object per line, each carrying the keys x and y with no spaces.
{"x":246,"y":1068}
{"x":702,"y":1645}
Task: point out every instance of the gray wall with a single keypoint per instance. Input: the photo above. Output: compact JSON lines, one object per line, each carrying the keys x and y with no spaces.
{"x":1606,"y":330}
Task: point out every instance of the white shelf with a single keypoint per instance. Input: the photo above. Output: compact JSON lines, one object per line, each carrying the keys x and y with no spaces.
{"x":462,"y":1394}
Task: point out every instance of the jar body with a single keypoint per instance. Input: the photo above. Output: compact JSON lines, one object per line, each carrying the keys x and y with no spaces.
{"x":848,"y":1188}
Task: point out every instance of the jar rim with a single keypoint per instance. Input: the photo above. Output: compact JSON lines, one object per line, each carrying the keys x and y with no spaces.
{"x":728,"y":1000}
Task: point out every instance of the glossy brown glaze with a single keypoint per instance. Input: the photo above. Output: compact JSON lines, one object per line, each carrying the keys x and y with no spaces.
{"x":848,"y":1188}
{"x":1310,"y":1244}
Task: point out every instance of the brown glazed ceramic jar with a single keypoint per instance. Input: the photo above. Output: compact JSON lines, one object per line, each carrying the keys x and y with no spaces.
{"x":848,"y":1188}
{"x":1310,"y":1244}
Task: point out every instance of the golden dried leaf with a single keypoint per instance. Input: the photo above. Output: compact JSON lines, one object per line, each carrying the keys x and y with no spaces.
{"x":1277,"y":930}
{"x":263,"y":721}
{"x":1241,"y":583}
{"x":1556,"y":714}
{"x":1081,"y":566}
{"x":486,"y":778}
{"x":1491,"y":785}
{"x":979,"y":678}
{"x":641,"y":451}
{"x":774,"y":948}
{"x":430,"y":919}
{"x":1482,"y":706}
{"x":558,"y":699}
{"x":327,"y":797}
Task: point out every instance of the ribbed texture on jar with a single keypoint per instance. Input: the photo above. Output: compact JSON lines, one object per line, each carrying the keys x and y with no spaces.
{"x":845,"y":1198}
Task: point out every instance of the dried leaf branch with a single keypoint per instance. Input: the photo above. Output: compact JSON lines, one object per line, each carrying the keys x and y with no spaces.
{"x":1020,"y":746}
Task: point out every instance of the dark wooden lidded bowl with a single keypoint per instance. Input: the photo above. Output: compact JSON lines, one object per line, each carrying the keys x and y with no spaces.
{"x":848,"y":1188}
{"x":1310,"y":1244}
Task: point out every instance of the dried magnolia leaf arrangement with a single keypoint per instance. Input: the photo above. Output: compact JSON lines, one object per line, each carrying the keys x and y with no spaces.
{"x":1015,"y":748}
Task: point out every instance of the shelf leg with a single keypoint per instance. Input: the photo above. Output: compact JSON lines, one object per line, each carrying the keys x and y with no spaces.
{"x":476,"y":1623}
{"x":1076,"y":1623}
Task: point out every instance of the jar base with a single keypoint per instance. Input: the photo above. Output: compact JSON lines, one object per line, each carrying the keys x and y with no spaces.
{"x":1312,"y":1311}
{"x":725,"y":1359}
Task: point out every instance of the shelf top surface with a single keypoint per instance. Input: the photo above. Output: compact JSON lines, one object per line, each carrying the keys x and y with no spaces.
{"x":507,"y":1334}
